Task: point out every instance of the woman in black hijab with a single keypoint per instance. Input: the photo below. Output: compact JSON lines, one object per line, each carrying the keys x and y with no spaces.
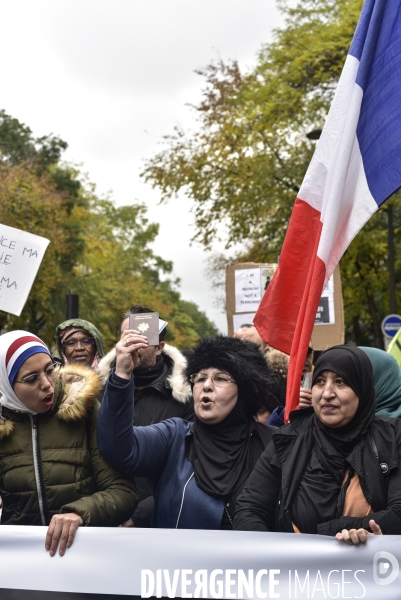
{"x":335,"y":468}
{"x":198,"y":468}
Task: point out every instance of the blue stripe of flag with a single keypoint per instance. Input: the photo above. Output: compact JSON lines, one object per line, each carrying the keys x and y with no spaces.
{"x":377,"y":45}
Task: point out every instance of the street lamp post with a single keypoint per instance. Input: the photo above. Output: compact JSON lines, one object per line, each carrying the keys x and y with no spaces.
{"x":391,"y":267}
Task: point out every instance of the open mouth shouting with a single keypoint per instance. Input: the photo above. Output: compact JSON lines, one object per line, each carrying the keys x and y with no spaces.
{"x":205,"y":401}
{"x":48,"y":400}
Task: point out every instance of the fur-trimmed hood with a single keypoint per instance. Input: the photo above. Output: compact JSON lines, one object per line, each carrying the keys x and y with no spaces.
{"x":80,"y":389}
{"x":181,"y":390}
{"x":76,"y":391}
{"x":278,"y":361}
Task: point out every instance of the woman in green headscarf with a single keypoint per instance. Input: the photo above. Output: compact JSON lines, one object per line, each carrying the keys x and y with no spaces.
{"x":386,"y":380}
{"x":79,"y":341}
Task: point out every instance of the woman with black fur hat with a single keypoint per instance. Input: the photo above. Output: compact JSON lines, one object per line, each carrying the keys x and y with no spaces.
{"x":198,"y":468}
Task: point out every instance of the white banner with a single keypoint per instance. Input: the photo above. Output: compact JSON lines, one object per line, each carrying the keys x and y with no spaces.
{"x":20,"y":256}
{"x":197,"y":564}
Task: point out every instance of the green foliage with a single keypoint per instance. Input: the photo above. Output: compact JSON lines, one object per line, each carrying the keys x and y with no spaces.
{"x":18,"y":145}
{"x":33,"y":204}
{"x":245,"y":161}
{"x":200,"y":323}
{"x":118,"y":269}
{"x":365,"y":277}
{"x":244,"y":164}
{"x":98,"y":250}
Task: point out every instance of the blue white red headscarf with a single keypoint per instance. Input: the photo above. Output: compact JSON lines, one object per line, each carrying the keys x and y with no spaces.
{"x":15,"y":348}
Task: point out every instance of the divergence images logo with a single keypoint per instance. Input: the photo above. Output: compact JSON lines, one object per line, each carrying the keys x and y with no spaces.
{"x":382,"y":573}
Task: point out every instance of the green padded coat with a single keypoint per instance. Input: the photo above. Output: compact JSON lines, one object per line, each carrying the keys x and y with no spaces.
{"x":50,"y":462}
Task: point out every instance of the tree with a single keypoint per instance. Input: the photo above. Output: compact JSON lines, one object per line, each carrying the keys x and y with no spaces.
{"x":118,"y":269}
{"x":243,"y":165}
{"x":34,"y":204}
{"x":40,"y":157}
{"x":365,"y":276}
{"x":245,"y":162}
{"x":200,"y":323}
{"x":17,"y":145}
{"x":98,"y":250}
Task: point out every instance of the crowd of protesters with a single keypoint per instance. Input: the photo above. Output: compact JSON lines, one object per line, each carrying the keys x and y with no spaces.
{"x":147,"y":436}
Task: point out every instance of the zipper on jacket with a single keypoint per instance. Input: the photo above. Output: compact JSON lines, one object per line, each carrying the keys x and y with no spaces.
{"x":182,"y":499}
{"x":37,"y":465}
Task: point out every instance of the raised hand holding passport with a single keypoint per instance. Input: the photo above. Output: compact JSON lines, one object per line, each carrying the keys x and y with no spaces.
{"x":127,"y":352}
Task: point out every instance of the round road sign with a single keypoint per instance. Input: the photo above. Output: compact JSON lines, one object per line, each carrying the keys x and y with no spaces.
{"x":390,"y":325}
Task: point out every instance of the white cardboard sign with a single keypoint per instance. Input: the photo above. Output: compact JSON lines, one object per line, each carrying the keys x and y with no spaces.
{"x":247,"y":290}
{"x":20,"y":256}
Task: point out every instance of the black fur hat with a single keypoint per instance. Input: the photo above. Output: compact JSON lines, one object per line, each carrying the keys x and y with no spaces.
{"x":241,"y":359}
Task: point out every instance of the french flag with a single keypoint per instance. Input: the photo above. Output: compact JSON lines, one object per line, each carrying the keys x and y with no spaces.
{"x":355,"y":168}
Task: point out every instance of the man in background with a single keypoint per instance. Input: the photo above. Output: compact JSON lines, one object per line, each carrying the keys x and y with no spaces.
{"x":305,"y":393}
{"x":275,"y":395}
{"x":249,"y":332}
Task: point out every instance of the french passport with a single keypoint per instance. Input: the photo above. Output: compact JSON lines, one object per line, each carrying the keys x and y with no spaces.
{"x":147,"y":324}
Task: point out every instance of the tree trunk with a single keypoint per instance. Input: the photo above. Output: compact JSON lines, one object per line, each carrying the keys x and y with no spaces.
{"x":357,"y":331}
{"x":377,"y":332}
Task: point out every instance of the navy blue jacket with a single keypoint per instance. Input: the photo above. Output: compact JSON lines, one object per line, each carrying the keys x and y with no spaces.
{"x":276,"y":419}
{"x":158,"y":451}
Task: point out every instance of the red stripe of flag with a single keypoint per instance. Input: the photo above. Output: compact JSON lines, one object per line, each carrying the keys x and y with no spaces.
{"x":287,"y":313}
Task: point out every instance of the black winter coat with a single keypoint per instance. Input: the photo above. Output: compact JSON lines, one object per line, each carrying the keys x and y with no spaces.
{"x":265,"y":505}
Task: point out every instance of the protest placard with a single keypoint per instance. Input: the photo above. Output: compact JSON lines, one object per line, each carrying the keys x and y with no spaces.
{"x":20,"y":256}
{"x":329,"y":322}
{"x":247,"y":282}
{"x":245,"y":285}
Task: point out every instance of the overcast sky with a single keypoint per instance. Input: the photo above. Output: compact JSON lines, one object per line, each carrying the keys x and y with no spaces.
{"x":111,"y":77}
